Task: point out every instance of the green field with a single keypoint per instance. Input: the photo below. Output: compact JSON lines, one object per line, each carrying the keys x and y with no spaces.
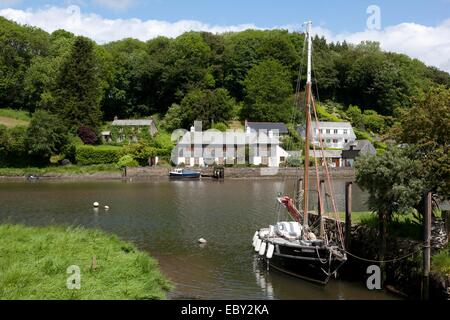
{"x":12,"y":118}
{"x":34,"y":264}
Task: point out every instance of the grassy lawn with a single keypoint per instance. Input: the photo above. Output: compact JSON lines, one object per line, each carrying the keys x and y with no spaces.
{"x":34,"y":262}
{"x":69,"y":169}
{"x":11,"y":118}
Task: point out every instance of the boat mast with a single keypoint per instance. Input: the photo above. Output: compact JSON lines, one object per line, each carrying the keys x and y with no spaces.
{"x":307,"y":129}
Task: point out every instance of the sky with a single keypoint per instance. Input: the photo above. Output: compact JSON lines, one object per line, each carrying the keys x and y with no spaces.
{"x":418,"y":28}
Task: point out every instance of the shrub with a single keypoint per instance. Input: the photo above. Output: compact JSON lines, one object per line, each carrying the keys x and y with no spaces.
{"x":127,"y":161}
{"x":87,"y":155}
{"x":87,"y":135}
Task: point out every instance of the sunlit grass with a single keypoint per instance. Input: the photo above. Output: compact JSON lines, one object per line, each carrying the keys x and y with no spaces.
{"x":69,"y":169}
{"x":34,"y":262}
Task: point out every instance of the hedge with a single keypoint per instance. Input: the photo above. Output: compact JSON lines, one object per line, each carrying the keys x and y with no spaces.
{"x":87,"y":155}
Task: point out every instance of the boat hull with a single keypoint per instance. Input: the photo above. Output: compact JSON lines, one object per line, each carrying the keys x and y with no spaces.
{"x":195,"y":175}
{"x":312,"y":263}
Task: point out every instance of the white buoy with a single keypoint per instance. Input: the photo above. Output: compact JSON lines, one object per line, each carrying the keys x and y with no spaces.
{"x":96,"y":204}
{"x":202,"y":241}
{"x":106,"y":207}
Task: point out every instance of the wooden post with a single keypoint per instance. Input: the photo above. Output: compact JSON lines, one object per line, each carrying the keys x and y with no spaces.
{"x":320,"y":206}
{"x":348,"y":214}
{"x":427,"y":246}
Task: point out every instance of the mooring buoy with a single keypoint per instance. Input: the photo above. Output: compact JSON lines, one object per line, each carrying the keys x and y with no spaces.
{"x":106,"y":207}
{"x":96,"y":204}
{"x":202,"y":241}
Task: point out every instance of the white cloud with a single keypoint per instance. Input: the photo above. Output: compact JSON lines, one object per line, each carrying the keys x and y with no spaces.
{"x":426,"y":43}
{"x":431,"y":44}
{"x":104,"y":30}
{"x":115,"y":4}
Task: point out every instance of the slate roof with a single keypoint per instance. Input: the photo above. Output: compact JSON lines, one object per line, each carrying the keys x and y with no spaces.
{"x":358,"y":145}
{"x":131,"y":122}
{"x":256,"y":126}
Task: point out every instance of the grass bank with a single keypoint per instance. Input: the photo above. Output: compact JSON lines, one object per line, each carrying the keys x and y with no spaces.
{"x":34,"y":262}
{"x":61,"y":170}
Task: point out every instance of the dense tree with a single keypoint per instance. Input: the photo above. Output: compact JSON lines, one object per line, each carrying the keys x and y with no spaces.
{"x":268,"y":93}
{"x":426,"y":128}
{"x":78,"y":87}
{"x":208,"y":106}
{"x":18,"y":46}
{"x":45,"y":136}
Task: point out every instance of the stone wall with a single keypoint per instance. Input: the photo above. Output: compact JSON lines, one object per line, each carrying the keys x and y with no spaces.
{"x":247,"y":172}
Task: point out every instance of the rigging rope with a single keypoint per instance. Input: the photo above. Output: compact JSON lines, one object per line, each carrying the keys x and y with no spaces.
{"x":385,"y":261}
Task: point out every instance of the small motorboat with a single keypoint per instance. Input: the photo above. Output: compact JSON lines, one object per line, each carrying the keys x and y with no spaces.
{"x":184,"y":174}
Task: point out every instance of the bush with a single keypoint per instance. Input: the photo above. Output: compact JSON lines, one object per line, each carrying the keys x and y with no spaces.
{"x":127,"y":161}
{"x":87,"y":135}
{"x":87,"y":155}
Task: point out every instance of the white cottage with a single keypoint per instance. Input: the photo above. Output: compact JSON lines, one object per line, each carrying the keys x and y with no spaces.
{"x":333,"y":134}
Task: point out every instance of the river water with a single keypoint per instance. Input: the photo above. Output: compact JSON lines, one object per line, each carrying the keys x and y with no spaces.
{"x":166,"y":218}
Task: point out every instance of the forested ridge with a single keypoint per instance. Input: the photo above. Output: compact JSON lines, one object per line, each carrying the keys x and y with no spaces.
{"x":244,"y":75}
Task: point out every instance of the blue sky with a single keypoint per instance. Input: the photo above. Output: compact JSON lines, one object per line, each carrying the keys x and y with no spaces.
{"x":337,"y":16}
{"x":418,"y":28}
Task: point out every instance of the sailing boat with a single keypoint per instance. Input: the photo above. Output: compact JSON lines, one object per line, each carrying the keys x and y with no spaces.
{"x":292,"y":246}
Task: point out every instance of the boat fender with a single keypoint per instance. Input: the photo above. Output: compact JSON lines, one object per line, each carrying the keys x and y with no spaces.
{"x":254,"y":242}
{"x":270,"y":250}
{"x":258,"y":245}
{"x":255,"y":236}
{"x":262,"y":249}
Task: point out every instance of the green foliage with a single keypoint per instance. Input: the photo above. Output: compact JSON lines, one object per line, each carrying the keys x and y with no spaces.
{"x":426,"y":127}
{"x":440,"y":262}
{"x":356,"y":117}
{"x":373,"y":121}
{"x":268,"y":93}
{"x":88,"y":155}
{"x":392,"y":179}
{"x":141,"y":152}
{"x":34,"y":262}
{"x":78,"y":91}
{"x":46,"y":135}
{"x":222,"y":127}
{"x":207,"y":106}
{"x":127,"y":161}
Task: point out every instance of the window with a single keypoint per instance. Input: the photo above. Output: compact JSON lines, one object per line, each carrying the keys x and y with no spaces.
{"x":321,"y":130}
{"x":345,"y":131}
{"x":328,"y":140}
{"x":328,"y":131}
{"x":335,"y":140}
{"x":346,"y":140}
{"x":282,"y":159}
{"x":335,"y":131}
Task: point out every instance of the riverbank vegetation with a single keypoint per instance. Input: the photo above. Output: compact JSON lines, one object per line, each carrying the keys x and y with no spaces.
{"x":34,"y":263}
{"x":73,"y":88}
